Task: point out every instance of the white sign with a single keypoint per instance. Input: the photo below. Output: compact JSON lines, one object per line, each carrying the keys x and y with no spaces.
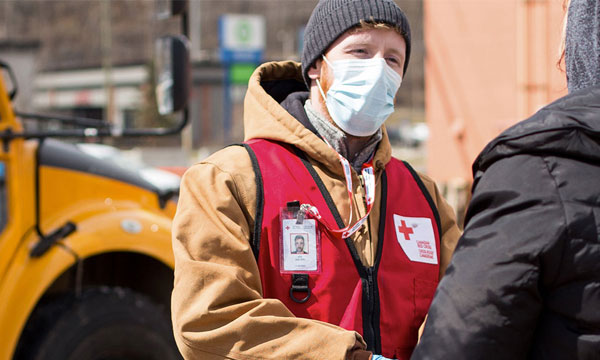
{"x":416,"y":237}
{"x":243,"y":32}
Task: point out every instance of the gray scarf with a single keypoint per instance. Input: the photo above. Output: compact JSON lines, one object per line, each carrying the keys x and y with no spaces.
{"x":582,"y":44}
{"x":337,"y":138}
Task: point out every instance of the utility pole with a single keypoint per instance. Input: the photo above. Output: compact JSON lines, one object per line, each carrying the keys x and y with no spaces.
{"x":106,"y":46}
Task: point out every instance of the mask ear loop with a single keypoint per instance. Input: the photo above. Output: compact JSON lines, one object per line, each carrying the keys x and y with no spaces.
{"x":324,"y":97}
{"x":321,"y":90}
{"x":319,"y":83}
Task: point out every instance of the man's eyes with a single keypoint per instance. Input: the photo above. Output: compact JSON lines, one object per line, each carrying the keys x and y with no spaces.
{"x":359,"y":51}
{"x":365,"y":53}
{"x":394,"y":62}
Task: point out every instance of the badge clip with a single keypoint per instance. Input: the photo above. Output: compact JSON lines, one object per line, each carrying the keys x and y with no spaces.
{"x":300,"y":284}
{"x":302,"y":213}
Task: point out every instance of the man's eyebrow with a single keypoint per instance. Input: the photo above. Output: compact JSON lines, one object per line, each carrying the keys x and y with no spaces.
{"x":357,"y":43}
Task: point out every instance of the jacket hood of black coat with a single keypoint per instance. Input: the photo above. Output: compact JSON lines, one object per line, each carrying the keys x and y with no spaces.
{"x":568,"y":127}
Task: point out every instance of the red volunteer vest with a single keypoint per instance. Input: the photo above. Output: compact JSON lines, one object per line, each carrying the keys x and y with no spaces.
{"x":385,"y":303}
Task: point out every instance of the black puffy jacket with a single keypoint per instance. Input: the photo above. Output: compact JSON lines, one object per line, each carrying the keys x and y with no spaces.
{"x":524,"y":281}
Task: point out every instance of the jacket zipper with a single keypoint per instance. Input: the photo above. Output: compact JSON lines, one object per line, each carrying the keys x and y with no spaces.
{"x":364,"y":193}
{"x":370,"y":286}
{"x":371,"y":291}
{"x":371,"y":303}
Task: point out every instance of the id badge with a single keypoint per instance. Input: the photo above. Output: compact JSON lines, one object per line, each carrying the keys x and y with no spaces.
{"x":300,"y":244}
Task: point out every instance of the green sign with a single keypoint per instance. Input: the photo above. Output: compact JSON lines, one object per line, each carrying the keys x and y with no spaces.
{"x":243,"y":31}
{"x":239,"y":74}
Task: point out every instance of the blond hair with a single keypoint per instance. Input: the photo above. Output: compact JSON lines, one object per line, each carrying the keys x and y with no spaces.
{"x":372,"y":24}
{"x":563,"y":38}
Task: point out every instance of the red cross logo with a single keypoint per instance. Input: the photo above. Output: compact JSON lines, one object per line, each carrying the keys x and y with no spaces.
{"x":405,"y":230}
{"x":287,"y":227}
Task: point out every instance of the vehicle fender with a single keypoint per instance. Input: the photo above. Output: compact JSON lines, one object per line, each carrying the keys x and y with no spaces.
{"x":132,"y":230}
{"x":27,"y":279}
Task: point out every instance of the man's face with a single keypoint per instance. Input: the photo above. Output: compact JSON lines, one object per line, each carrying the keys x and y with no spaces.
{"x":299,"y":244}
{"x":360,"y":44}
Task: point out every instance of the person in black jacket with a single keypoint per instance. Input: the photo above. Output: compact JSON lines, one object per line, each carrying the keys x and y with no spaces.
{"x":524,"y":281}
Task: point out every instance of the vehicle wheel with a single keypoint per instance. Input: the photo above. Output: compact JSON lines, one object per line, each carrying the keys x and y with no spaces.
{"x":104,"y":324}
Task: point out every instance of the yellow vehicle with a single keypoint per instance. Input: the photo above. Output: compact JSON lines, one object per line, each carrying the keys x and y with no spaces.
{"x":85,"y":246}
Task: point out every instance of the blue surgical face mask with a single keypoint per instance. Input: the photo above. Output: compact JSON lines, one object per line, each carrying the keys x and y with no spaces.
{"x":362,"y":94}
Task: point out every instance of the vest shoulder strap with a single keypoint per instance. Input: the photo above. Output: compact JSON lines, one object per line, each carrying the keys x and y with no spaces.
{"x":260,"y":201}
{"x":426,"y":193}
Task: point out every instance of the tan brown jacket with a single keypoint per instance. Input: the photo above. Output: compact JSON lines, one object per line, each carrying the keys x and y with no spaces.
{"x":217,"y":304}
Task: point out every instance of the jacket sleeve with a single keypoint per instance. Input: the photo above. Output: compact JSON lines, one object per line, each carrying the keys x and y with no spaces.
{"x":487,"y":304}
{"x":217,"y":306}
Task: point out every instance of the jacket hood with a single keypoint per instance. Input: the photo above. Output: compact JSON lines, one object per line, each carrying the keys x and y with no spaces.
{"x":568,"y":127}
{"x":266,"y":118}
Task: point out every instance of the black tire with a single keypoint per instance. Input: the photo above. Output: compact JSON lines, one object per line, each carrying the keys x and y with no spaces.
{"x":104,"y":324}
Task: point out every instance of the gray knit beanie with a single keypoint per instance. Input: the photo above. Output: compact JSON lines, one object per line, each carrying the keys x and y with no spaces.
{"x":331,"y":18}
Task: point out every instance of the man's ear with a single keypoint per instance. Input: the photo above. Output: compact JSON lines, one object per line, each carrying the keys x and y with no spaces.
{"x":314,"y":72}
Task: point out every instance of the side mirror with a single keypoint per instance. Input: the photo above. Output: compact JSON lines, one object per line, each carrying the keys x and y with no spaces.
{"x":10,"y":81}
{"x":172,"y":71}
{"x":178,"y":7}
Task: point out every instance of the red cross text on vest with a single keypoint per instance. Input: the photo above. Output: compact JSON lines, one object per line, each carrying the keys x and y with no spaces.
{"x":405,"y":230}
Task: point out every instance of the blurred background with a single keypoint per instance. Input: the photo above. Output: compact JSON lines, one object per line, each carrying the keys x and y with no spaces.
{"x":477,"y":67}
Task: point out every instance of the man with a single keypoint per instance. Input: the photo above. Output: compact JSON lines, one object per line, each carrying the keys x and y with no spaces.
{"x":524,"y":282}
{"x":299,"y":244}
{"x":380,"y":247}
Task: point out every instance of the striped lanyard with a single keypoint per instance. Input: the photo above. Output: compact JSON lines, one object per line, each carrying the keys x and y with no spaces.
{"x":369,"y":184}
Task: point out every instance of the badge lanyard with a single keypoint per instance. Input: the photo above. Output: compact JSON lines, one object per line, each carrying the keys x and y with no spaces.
{"x":369,"y":180}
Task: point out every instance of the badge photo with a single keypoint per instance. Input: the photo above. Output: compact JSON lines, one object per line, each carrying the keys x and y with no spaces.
{"x":298,"y":243}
